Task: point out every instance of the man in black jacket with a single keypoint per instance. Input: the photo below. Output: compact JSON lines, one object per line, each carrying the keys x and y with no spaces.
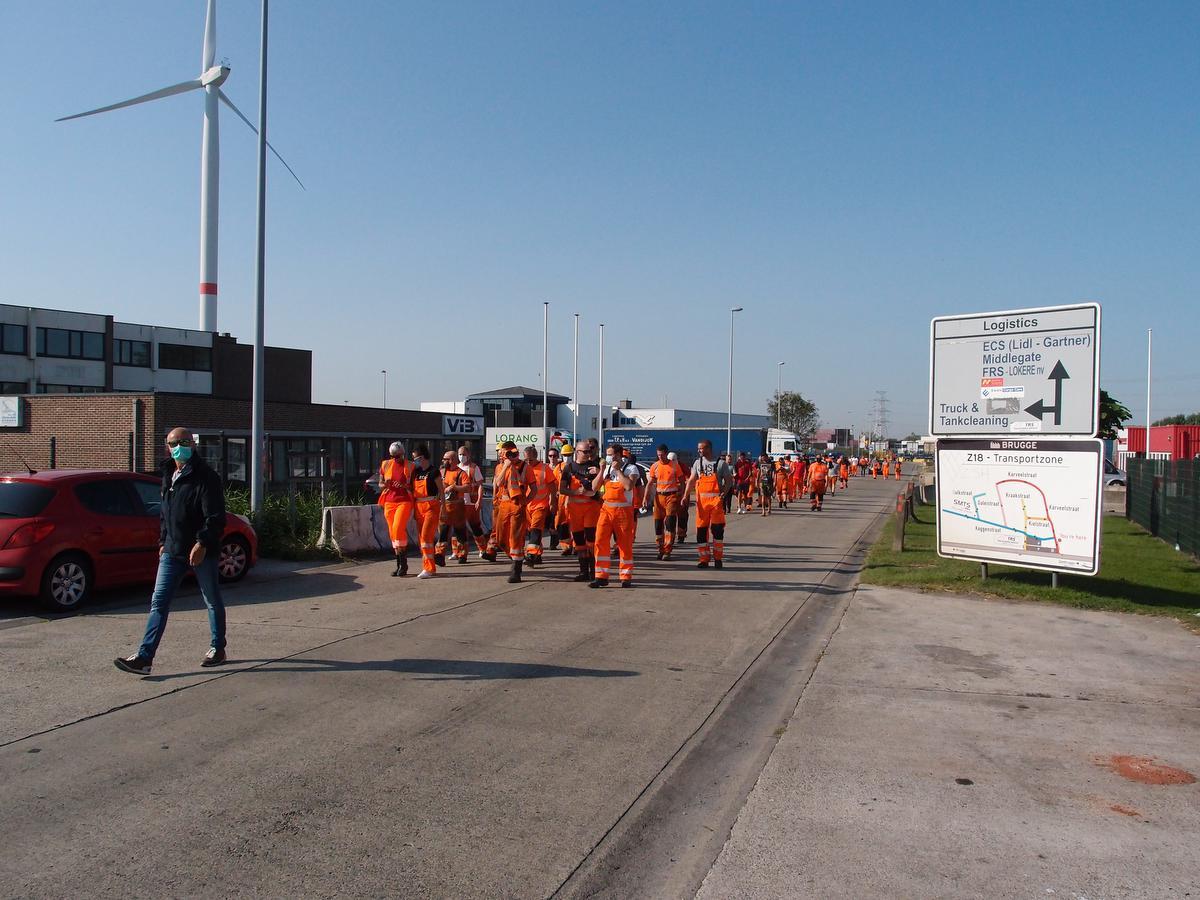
{"x":192,"y":521}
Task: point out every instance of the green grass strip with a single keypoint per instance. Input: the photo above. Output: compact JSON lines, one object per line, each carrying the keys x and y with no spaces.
{"x":1138,"y":572}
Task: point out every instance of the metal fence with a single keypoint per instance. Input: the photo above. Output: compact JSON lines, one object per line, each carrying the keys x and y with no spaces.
{"x":1164,"y":498}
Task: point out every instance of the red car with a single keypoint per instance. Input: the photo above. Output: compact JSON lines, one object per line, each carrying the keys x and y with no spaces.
{"x":64,"y":532}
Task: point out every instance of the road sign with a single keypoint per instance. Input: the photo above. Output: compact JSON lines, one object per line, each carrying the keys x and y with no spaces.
{"x":1025,"y":372}
{"x":1024,"y":502}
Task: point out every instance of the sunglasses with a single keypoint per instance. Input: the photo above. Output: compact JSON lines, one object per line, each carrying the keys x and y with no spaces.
{"x":182,"y":442}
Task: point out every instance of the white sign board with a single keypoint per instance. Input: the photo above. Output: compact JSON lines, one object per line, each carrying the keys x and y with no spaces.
{"x":1023,"y":372}
{"x":10,"y":412}
{"x":462,"y":426}
{"x":522,"y":437}
{"x":1025,"y":502}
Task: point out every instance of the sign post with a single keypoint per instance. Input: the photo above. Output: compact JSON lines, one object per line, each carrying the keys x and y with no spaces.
{"x":1032,"y":371}
{"x":1014,"y":402}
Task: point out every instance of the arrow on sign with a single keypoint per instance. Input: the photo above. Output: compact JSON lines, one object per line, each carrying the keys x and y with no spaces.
{"x":1039,"y":409}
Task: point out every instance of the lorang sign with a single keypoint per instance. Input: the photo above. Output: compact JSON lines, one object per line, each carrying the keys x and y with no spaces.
{"x":462,"y":426}
{"x":522,"y":437}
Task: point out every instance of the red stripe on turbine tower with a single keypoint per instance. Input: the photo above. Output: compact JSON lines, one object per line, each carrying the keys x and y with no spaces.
{"x":208,"y":287}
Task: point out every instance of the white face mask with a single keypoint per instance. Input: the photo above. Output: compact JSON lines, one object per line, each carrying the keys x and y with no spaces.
{"x":609,"y":459}
{"x":462,"y":457}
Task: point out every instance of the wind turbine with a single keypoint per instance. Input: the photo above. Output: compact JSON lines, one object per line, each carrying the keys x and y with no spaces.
{"x":210,"y":81}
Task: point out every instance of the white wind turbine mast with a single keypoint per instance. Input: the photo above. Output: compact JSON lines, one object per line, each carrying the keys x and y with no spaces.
{"x":210,"y":81}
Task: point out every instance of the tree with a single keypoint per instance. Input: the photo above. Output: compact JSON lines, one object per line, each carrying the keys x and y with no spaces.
{"x":1189,"y":419}
{"x":795,"y":413}
{"x":913,"y":436}
{"x":1112,"y":414}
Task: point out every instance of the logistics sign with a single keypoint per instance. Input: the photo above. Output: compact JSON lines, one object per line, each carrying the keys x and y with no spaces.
{"x":1032,"y":371}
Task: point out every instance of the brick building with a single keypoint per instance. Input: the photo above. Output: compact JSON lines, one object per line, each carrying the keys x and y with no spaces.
{"x":126,"y":431}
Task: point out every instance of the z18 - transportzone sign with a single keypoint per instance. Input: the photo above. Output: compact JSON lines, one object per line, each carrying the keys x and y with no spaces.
{"x":1028,"y":371}
{"x":1032,"y":503}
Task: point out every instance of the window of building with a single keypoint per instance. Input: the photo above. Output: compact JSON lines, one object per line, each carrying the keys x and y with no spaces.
{"x":131,"y":353}
{"x":14,"y":387}
{"x":185,"y":356}
{"x":13,"y":339}
{"x":68,"y":388}
{"x":67,"y":344}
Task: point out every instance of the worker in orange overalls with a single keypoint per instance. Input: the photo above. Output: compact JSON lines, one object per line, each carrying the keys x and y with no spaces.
{"x":456,"y":483}
{"x":797,"y":477}
{"x":562,"y":523}
{"x":583,"y":506}
{"x":510,"y":491}
{"x":897,"y":467}
{"x":541,"y":498}
{"x":554,"y":463}
{"x":831,"y":481}
{"x":395,"y":496}
{"x":472,"y":507}
{"x":886,"y":467}
{"x":818,"y":481}
{"x":667,"y":479}
{"x":427,"y":507}
{"x":783,"y":480}
{"x":681,"y":517}
{"x":844,"y":472}
{"x":615,"y":481}
{"x":710,"y":479}
{"x":876,"y":467}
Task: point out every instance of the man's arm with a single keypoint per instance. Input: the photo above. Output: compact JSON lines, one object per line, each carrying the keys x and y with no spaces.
{"x":212,"y":508}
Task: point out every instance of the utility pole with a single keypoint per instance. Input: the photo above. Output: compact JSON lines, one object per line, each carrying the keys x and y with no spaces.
{"x":881,"y":415}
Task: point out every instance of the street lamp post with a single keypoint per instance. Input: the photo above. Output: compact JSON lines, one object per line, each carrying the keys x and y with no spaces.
{"x":600,"y":397}
{"x":575,"y":388}
{"x":383,"y":372}
{"x":779,"y":399}
{"x":545,"y":378}
{"x":258,"y":385}
{"x":729,"y":411}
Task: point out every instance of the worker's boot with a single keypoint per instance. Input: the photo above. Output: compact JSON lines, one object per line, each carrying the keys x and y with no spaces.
{"x":396,"y":573}
{"x":515,"y":577}
{"x":584,"y":570}
{"x":402,"y":562}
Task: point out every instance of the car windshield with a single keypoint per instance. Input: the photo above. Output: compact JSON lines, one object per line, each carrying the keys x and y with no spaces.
{"x":22,"y":500}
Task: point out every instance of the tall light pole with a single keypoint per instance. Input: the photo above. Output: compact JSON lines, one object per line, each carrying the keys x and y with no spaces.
{"x":729,"y":414}
{"x":383,"y":372}
{"x":545,"y":362}
{"x":600,"y":398}
{"x":1149,"y":360}
{"x":779,"y":399}
{"x":575,"y":389}
{"x":258,"y":437}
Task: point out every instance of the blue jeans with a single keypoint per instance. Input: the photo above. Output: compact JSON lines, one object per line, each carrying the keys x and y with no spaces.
{"x":171,"y":570}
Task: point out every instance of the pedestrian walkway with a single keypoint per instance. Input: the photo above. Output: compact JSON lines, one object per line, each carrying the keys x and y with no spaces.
{"x":948,"y":746}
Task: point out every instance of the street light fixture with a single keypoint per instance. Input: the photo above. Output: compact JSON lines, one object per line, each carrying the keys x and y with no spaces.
{"x":729,"y":412}
{"x":779,"y":399}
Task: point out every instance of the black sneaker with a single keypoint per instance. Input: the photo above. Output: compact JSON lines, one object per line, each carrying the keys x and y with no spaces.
{"x":136,"y":665}
{"x":703,"y":564}
{"x":718,"y":563}
{"x":439,"y":560}
{"x":626,"y":583}
{"x":599,"y":583}
{"x":213,"y":657}
{"x":462,"y":560}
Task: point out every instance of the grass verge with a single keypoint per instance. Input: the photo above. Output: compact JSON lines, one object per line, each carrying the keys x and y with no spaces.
{"x":286,"y":530}
{"x":1138,"y":572}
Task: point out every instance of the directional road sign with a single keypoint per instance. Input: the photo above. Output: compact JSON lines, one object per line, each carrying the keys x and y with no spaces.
{"x":1026,"y":371}
{"x":1029,"y":503}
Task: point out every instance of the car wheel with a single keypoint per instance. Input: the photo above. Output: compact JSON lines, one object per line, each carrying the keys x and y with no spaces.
{"x":234,"y":560}
{"x":67,"y":582}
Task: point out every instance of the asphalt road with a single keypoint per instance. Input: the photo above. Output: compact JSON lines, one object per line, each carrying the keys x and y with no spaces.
{"x":458,"y":737}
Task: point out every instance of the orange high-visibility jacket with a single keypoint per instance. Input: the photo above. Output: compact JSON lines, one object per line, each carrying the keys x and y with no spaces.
{"x":399,"y":472}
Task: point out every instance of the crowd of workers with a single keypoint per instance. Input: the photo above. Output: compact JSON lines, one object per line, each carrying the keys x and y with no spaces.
{"x":584,"y":502}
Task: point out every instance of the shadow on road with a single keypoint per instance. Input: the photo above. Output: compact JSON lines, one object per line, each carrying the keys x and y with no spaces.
{"x":432,"y":669}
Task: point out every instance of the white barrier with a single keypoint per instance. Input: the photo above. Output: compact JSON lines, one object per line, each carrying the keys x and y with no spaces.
{"x":362,"y":529}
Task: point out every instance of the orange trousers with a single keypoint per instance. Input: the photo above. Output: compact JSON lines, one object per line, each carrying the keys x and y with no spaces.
{"x":535,"y":526}
{"x":710,"y":528}
{"x":508,"y":531}
{"x":897,"y":471}
{"x":397,"y":515}
{"x":615,"y":523}
{"x":666,"y":520}
{"x":428,"y":514}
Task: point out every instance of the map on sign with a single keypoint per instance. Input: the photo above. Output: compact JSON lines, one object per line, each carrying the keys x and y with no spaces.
{"x":1030,"y":371}
{"x":1024,"y":502}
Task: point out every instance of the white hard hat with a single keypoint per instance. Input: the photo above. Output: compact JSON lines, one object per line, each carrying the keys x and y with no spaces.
{"x":672,"y":455}
{"x":396,"y":447}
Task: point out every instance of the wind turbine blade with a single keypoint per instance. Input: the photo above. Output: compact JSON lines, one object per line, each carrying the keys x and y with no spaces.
{"x":210,"y":36}
{"x":180,"y":88}
{"x":250,"y":125}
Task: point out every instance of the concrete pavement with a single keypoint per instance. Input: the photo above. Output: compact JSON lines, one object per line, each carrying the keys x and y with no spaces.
{"x":458,"y":737}
{"x":953,"y":747}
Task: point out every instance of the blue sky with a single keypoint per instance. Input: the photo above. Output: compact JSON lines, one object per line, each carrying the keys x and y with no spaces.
{"x":844,"y":171}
